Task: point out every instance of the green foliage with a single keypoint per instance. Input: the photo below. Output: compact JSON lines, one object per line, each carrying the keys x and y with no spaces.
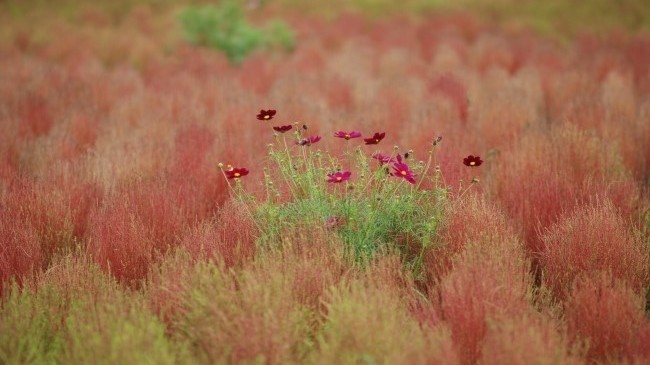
{"x":241,"y":317}
{"x":373,"y":212}
{"x":28,"y":327}
{"x":120,"y":331}
{"x":367,"y":324}
{"x":81,"y":320}
{"x":225,"y":28}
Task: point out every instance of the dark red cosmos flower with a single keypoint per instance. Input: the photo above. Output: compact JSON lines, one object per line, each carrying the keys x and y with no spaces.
{"x":347,"y":135}
{"x":402,"y":170}
{"x":266,"y":114}
{"x":472,"y":161}
{"x":236,"y":172}
{"x":308,"y":141}
{"x":282,"y":128}
{"x":382,"y":158}
{"x":375,"y":139}
{"x":338,"y":177}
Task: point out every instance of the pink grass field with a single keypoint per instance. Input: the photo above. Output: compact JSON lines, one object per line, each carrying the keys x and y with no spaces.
{"x":120,"y":242}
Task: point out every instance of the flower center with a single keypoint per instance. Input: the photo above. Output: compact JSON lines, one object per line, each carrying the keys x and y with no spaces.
{"x":338,"y":178}
{"x":237,"y":174}
{"x":472,"y":163}
{"x":403,"y":173}
{"x":267,"y":116}
{"x":347,"y":136}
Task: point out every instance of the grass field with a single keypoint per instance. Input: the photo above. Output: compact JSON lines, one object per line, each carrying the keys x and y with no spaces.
{"x":151,"y":214}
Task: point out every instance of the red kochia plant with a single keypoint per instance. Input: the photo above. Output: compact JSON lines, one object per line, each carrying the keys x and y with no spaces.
{"x":467,"y":220}
{"x":606,"y":314}
{"x":20,"y":251}
{"x":36,"y":117}
{"x":194,"y":185}
{"x":488,"y":282}
{"x":527,"y":339}
{"x":594,"y":238}
{"x":119,"y":242}
{"x":229,"y":238}
{"x":452,"y":88}
{"x":545,"y":168}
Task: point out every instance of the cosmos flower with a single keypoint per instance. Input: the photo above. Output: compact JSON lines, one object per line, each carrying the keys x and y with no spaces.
{"x":334,"y":222}
{"x":338,"y":177}
{"x":382,"y":158}
{"x":266,"y":114}
{"x":236,"y":172}
{"x":472,"y":161}
{"x":308,"y":141}
{"x":376,"y":138}
{"x":402,"y":170}
{"x":347,"y":135}
{"x":282,"y":128}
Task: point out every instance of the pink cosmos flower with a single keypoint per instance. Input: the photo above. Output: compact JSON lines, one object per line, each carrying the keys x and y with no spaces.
{"x":308,"y":141}
{"x":382,"y":158}
{"x":402,"y":170}
{"x":338,"y":177}
{"x":347,"y":135}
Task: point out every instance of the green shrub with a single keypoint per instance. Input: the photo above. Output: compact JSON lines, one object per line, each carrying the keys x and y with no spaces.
{"x":376,"y":210}
{"x":225,"y":28}
{"x":29,"y":326}
{"x":118,"y":331}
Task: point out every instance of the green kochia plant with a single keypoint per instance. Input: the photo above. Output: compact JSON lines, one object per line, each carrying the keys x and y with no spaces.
{"x":371,"y":203}
{"x":225,"y":28}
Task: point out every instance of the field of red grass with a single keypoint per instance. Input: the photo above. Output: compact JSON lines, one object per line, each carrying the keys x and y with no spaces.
{"x":120,"y":242}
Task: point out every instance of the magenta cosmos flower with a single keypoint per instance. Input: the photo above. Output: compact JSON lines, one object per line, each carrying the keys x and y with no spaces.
{"x":347,"y":135}
{"x":308,"y":141}
{"x":402,"y":170}
{"x":375,"y":139}
{"x":334,"y":222}
{"x":382,"y":158}
{"x":236,"y":172}
{"x":338,"y":177}
{"x":266,"y":114}
{"x":282,"y":128}
{"x":472,"y":161}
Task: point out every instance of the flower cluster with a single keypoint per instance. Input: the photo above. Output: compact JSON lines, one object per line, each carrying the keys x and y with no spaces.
{"x":400,"y":168}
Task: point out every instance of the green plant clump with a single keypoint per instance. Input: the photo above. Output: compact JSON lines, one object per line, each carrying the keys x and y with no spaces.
{"x":226,"y":29}
{"x":372,"y":202}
